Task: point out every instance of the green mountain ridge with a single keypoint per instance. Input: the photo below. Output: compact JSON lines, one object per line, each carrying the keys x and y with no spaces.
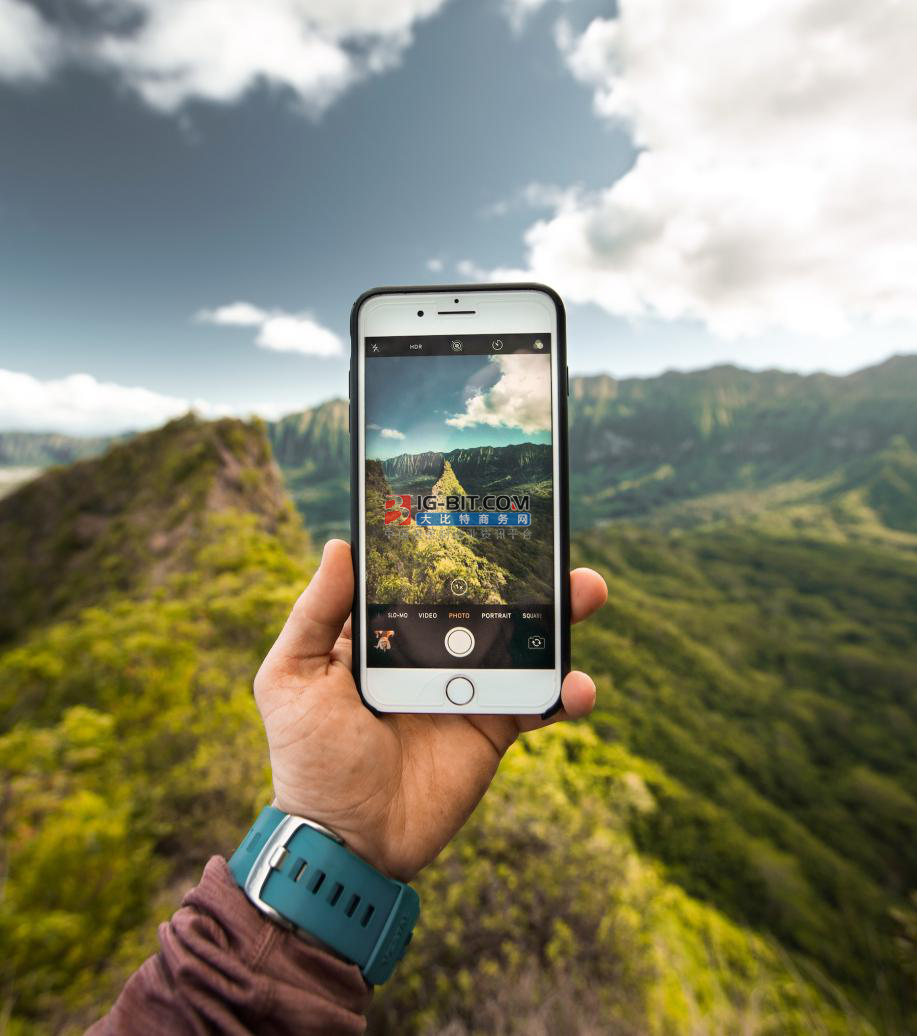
{"x":313,"y":451}
{"x":523,"y":468}
{"x":315,"y":440}
{"x":126,"y":520}
{"x":773,"y":679}
{"x":727,"y":846}
{"x":726,"y":444}
{"x":483,"y":469}
{"x":415,"y":565}
{"x":641,"y":445}
{"x":673,"y":450}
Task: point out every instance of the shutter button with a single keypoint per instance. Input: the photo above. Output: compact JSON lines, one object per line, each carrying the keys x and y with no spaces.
{"x":459,"y":641}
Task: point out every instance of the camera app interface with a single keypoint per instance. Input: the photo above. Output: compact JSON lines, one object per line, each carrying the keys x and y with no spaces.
{"x":459,"y":502}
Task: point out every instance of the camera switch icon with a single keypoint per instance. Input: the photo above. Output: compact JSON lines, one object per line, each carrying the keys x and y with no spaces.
{"x":536,"y":643}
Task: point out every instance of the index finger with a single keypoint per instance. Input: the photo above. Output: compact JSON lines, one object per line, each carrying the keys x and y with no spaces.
{"x":588,"y":592}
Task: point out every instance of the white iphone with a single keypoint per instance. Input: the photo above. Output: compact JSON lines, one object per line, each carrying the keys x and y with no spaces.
{"x":459,"y":499}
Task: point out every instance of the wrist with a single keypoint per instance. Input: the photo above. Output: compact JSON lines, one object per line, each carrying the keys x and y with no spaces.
{"x":299,"y":874}
{"x":358,"y":845}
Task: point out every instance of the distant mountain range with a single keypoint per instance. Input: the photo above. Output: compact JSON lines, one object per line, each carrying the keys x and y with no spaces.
{"x":315,"y":440}
{"x":482,"y":469}
{"x":643,"y":449}
{"x":678,"y":449}
{"x":41,"y":449}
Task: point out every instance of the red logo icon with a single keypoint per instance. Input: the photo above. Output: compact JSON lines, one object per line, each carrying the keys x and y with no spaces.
{"x":398,"y":510}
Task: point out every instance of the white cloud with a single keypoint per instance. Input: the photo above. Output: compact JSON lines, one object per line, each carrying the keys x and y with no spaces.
{"x":777,"y":182}
{"x":234,"y":314}
{"x":171,"y":52}
{"x":521,"y":397}
{"x":532,"y":196}
{"x":471,"y":270}
{"x":279,"y":331}
{"x":435,"y":265}
{"x":519,"y":11}
{"x":292,"y":333}
{"x":78,"y":404}
{"x":29,"y":47}
{"x":391,"y":433}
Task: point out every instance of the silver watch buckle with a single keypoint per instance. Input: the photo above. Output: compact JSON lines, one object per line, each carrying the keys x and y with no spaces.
{"x":271,"y":857}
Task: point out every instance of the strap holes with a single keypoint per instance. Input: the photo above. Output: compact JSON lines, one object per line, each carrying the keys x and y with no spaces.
{"x":317,"y":881}
{"x":296,"y":871}
{"x":335,"y":893}
{"x":352,"y":906}
{"x":367,"y":915}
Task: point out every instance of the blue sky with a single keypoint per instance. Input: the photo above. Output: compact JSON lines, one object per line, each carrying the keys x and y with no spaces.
{"x":461,"y":390}
{"x":156,"y":173}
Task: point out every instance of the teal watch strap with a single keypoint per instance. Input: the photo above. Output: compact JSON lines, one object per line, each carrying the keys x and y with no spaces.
{"x":297,"y":874}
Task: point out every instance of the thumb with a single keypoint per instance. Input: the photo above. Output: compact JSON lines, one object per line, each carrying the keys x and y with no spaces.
{"x":317,"y":618}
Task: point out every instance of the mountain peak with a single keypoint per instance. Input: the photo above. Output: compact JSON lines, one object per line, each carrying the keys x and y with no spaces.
{"x":315,"y":440}
{"x":127,"y":519}
{"x":446,"y":485}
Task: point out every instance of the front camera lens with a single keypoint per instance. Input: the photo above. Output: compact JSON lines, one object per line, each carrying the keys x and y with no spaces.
{"x":420,"y":312}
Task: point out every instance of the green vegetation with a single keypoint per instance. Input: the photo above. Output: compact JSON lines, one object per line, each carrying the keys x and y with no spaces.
{"x":131,"y":751}
{"x":541,"y":917}
{"x":313,"y":448}
{"x":728,"y":847}
{"x":726,"y":443}
{"x":413,"y":565}
{"x":127,"y":520}
{"x":771,"y":682}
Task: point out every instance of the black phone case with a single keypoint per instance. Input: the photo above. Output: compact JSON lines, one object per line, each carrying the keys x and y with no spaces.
{"x":563,"y":489}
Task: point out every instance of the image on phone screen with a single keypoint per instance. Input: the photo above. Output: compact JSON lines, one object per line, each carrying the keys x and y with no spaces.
{"x":459,"y":501}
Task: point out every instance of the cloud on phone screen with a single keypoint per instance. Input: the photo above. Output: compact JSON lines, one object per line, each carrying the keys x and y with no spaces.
{"x":520,"y":398}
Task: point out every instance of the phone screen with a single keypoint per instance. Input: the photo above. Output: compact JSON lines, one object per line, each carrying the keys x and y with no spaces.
{"x":459,"y":501}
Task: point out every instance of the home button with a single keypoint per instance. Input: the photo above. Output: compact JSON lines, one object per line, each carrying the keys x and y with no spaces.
{"x":460,"y":690}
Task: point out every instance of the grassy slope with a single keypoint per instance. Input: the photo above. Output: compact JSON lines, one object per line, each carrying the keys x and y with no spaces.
{"x":772,"y":681}
{"x":416,"y":565}
{"x":126,"y":520}
{"x":131,"y":751}
{"x":540,"y":911}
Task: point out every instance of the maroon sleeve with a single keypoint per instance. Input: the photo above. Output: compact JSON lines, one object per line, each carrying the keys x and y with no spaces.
{"x":225,"y":968}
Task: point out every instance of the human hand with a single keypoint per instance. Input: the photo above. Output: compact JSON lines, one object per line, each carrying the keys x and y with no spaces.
{"x":396,"y":788}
